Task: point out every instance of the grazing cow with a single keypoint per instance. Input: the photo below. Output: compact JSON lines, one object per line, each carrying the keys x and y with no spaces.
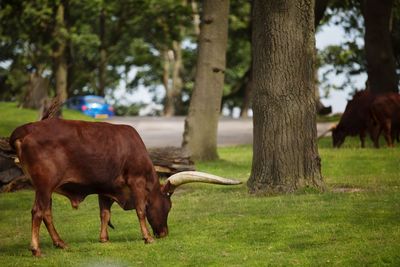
{"x":356,"y":119}
{"x":385,"y":111}
{"x":76,"y":158}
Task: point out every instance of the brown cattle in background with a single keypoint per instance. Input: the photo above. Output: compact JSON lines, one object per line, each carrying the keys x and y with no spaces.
{"x":356,"y":119}
{"x":385,"y":111}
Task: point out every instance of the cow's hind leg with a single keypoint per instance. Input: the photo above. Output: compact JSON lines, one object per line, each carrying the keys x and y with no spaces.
{"x":387,"y":128}
{"x":105,"y":216}
{"x":41,"y":204}
{"x":48,"y":221}
{"x":362,"y":138}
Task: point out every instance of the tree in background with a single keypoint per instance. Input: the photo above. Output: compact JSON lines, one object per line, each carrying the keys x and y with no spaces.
{"x":353,"y":57}
{"x":201,"y":124}
{"x":60,"y":35}
{"x":237,"y":89}
{"x":285,"y":154}
{"x":381,"y":64}
{"x":26,"y":30}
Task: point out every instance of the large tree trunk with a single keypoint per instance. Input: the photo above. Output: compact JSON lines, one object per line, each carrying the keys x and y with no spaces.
{"x":59,"y":55}
{"x":201,"y":124}
{"x":285,"y":153}
{"x":381,"y":65}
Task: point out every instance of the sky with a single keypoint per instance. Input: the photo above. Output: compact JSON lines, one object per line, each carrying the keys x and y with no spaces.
{"x":326,"y":35}
{"x":329,"y":35}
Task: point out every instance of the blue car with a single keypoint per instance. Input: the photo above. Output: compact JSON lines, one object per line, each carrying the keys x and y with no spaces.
{"x":91,"y":105}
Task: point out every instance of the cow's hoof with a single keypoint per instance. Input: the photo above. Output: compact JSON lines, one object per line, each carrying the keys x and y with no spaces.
{"x":103,"y":240}
{"x":148,"y":240}
{"x":60,"y":244}
{"x":36,"y":252}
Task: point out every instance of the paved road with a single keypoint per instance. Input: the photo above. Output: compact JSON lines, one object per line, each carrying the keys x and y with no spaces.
{"x":160,"y":131}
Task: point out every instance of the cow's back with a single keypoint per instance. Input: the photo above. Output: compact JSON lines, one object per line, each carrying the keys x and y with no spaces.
{"x":386,"y":106}
{"x":92,"y":154}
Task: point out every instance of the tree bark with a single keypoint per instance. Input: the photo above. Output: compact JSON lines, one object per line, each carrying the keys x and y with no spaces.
{"x":36,"y":91}
{"x":196,"y":17}
{"x":246,"y":103}
{"x":381,"y":65}
{"x":201,"y":124}
{"x":319,"y":11}
{"x":168,"y":103}
{"x":173,"y":90}
{"x":285,"y":153}
{"x":59,"y":55}
{"x":103,"y":53}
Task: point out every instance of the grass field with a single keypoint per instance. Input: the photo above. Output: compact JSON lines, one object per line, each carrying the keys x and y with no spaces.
{"x":355,"y":223}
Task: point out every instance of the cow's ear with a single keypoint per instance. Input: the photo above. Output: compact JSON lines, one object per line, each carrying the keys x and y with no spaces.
{"x":167,"y":189}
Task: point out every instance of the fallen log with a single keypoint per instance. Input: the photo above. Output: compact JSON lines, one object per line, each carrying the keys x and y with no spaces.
{"x":170,"y":160}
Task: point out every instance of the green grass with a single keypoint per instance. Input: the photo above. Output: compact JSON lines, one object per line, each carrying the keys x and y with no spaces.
{"x":225,"y":226}
{"x":11,"y":116}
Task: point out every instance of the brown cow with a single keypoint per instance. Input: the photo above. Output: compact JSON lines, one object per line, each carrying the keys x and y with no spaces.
{"x":76,"y":158}
{"x":356,"y":119}
{"x":385,"y":110}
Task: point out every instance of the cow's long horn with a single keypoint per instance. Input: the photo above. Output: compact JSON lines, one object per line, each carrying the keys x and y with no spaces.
{"x":181,"y":178}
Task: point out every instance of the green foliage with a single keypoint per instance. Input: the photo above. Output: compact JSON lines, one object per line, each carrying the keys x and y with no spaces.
{"x":134,"y":36}
{"x":123,"y":110}
{"x":224,"y":226}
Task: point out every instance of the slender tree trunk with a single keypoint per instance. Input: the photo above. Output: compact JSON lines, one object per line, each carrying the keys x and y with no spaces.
{"x":173,"y":86}
{"x":201,"y":124}
{"x":381,"y":65}
{"x":177,"y":83}
{"x":36,"y":91}
{"x":319,"y":12}
{"x":59,"y":55}
{"x":247,"y":96}
{"x":169,"y":109}
{"x":103,"y":53}
{"x":246,"y":103}
{"x":196,"y":17}
{"x":285,"y":153}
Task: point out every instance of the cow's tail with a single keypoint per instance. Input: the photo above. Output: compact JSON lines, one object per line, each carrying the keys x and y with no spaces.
{"x":19,"y":133}
{"x":53,"y":109}
{"x":110,"y":224}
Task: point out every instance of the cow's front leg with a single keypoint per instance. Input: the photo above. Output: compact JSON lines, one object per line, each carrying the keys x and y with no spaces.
{"x":105,"y":204}
{"x":139,"y":192}
{"x":140,"y":211}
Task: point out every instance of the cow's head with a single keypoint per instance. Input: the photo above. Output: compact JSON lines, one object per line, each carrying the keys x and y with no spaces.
{"x":158,"y":209}
{"x":338,"y":136}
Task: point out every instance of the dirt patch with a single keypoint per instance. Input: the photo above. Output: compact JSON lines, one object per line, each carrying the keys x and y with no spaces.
{"x":347,"y":190}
